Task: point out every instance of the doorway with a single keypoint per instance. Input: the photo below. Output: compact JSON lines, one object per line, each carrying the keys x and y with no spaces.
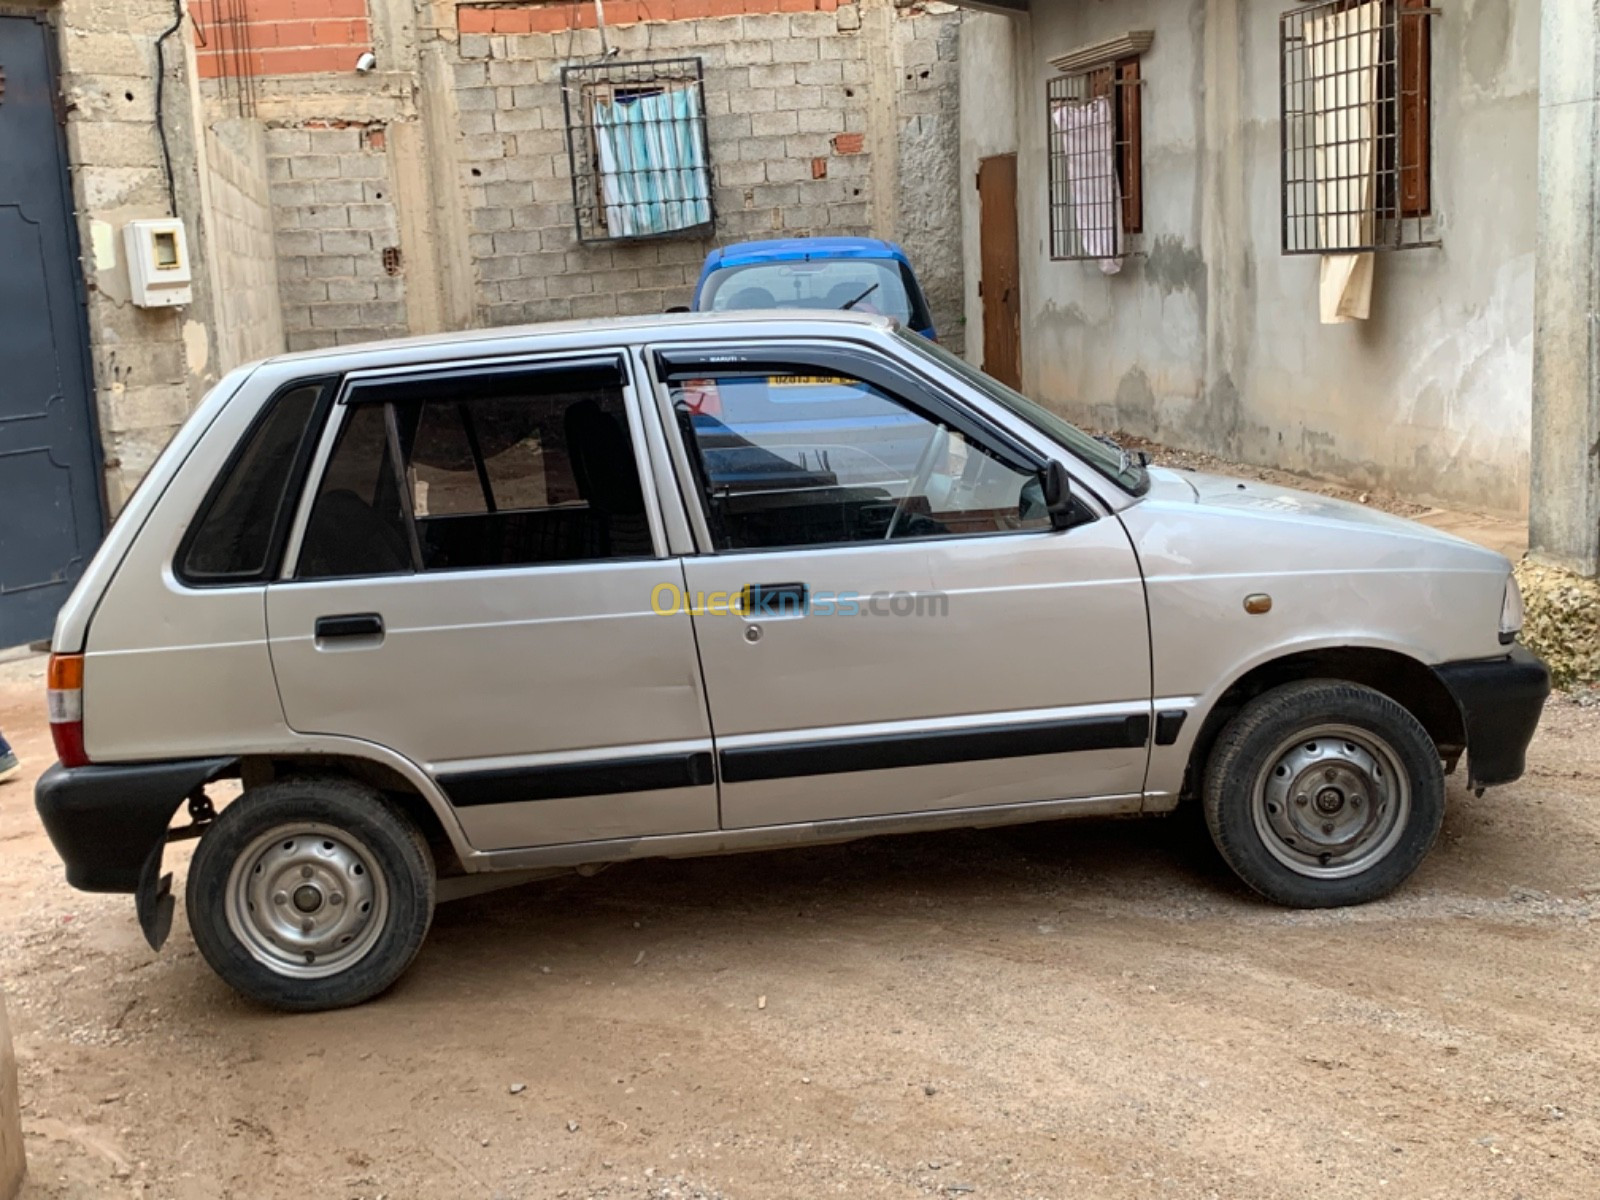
{"x":1001,"y":269}
{"x":52,"y":512}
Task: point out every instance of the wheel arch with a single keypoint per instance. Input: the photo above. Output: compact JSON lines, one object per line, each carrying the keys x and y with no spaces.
{"x":1407,"y":681}
{"x":403,"y":791}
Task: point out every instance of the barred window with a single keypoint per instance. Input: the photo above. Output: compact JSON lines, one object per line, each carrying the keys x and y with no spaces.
{"x":637,"y":145}
{"x":1356,"y":84}
{"x":1096,"y":162}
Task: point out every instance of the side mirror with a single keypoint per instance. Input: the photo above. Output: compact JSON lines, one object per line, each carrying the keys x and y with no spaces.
{"x":1058,"y":497}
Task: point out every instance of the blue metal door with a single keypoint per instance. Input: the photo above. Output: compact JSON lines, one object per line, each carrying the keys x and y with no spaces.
{"x":51,"y":510}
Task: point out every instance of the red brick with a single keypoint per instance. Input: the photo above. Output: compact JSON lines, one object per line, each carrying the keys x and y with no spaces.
{"x":514,"y":20}
{"x":551,"y":18}
{"x":819,"y":168}
{"x":726,"y":8}
{"x":338,"y":33}
{"x":690,"y":10}
{"x":308,"y":60}
{"x":849,"y":143}
{"x":267,"y":10}
{"x":328,"y":8}
{"x":281,"y":33}
{"x":475,"y":20}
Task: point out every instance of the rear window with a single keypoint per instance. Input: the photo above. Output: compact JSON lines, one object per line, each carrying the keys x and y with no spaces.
{"x":481,"y":470}
{"x":864,"y":285}
{"x":239,"y":531}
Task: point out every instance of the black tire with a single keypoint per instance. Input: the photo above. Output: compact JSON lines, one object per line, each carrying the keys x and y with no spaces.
{"x":1312,"y":777}
{"x":380,"y":855}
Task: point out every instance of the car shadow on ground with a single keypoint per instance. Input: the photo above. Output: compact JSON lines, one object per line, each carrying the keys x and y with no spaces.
{"x":961,"y":877}
{"x":1087,"y":873}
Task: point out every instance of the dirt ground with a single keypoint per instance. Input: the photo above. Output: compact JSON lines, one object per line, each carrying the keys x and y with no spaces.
{"x":1089,"y":1009}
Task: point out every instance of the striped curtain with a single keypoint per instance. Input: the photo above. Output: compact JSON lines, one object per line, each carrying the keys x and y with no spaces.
{"x":653,"y":176}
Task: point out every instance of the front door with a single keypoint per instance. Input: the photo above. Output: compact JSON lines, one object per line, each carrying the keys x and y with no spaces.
{"x":1001,"y":263}
{"x":50,"y":502}
{"x":888,"y":622}
{"x":473,"y":589}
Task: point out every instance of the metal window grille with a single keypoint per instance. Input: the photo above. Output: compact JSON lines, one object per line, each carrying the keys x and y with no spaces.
{"x":1356,"y":129}
{"x":637,"y":144}
{"x":1095,"y":171}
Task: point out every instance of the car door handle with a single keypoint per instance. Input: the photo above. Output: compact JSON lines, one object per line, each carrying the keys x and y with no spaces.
{"x":350,"y":625}
{"x":768,"y":601}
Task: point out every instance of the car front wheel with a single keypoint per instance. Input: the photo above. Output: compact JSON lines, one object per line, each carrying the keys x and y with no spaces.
{"x":310,"y":894}
{"x":1322,"y":793}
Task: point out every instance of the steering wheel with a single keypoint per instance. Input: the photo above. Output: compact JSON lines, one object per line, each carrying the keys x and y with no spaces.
{"x":938,"y":447}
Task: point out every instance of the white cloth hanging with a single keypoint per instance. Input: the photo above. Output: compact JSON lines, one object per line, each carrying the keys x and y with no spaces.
{"x":1342,"y":54}
{"x":1088,"y":142}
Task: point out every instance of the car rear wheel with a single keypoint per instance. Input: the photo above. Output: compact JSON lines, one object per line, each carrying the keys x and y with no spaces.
{"x":1322,"y":793}
{"x":310,"y":894}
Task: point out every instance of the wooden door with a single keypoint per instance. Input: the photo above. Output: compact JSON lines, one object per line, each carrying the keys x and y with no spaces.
{"x":1000,"y":259}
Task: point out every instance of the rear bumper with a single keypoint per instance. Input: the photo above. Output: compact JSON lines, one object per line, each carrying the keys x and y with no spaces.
{"x":105,"y":820}
{"x":1501,"y":700}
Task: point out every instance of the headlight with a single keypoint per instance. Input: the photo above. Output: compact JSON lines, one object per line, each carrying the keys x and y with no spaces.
{"x":1511,"y":613}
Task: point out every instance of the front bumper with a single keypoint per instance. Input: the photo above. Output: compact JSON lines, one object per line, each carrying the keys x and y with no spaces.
{"x":105,"y":820}
{"x":1501,"y":700}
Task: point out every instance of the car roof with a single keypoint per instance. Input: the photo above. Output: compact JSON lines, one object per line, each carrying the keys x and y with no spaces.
{"x":806,"y":249}
{"x":474,"y":343}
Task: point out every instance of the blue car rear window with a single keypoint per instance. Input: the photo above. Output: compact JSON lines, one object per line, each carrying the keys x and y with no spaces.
{"x":864,"y":285}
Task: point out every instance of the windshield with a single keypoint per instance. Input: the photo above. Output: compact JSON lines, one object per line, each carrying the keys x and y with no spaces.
{"x":864,"y":285}
{"x":1106,"y":458}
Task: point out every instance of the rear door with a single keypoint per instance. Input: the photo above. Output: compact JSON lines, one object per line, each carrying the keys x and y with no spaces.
{"x":886,"y":620}
{"x":472,"y":587}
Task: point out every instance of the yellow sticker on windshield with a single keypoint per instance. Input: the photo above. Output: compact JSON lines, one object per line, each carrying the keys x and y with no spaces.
{"x":809,"y":381}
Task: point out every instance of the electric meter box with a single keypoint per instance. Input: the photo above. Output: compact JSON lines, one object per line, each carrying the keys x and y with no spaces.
{"x":158,"y":263}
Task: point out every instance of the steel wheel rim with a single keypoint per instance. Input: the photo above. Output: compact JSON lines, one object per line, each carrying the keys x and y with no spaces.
{"x":307,"y":900}
{"x":1331,"y":802}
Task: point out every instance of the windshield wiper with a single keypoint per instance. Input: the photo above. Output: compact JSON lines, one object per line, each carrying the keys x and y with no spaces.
{"x":858,"y":299}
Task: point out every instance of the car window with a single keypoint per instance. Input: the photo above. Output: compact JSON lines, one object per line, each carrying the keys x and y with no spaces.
{"x":864,"y":285}
{"x":505,"y":470}
{"x":239,"y":529}
{"x":852,"y":464}
{"x":1104,"y":457}
{"x":357,"y":524}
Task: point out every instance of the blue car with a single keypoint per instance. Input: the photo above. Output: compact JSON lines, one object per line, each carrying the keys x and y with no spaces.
{"x":852,"y":274}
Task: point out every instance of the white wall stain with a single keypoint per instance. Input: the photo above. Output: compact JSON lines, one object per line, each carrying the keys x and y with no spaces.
{"x":196,"y":347}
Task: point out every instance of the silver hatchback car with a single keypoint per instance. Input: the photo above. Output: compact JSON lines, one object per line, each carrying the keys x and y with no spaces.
{"x":465,"y":611}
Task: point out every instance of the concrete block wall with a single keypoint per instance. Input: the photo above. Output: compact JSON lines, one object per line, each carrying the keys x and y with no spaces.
{"x":434,"y":192}
{"x":340,"y":265}
{"x":930,"y":186}
{"x":244,"y":261}
{"x":150,"y":366}
{"x":787,"y":110}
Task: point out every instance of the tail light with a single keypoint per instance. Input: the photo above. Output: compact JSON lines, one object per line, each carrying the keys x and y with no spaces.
{"x":66,"y":708}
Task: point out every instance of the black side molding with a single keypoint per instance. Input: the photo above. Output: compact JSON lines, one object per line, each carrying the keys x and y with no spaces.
{"x":1169,"y":724}
{"x":605,"y":777}
{"x":1501,"y":701}
{"x":840,"y":755}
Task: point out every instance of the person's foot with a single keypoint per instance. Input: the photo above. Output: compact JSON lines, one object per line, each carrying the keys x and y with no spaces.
{"x":9,"y":766}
